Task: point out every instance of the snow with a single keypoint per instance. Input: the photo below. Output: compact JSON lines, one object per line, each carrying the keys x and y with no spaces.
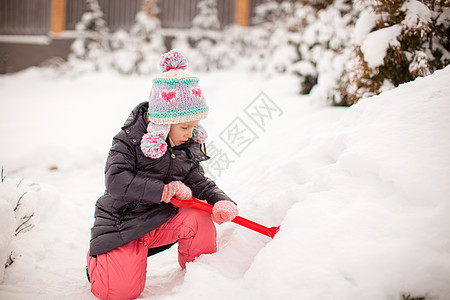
{"x":377,"y":42}
{"x":26,"y":39}
{"x":416,"y":13}
{"x":444,"y":18}
{"x":365,"y":23}
{"x":361,"y":193}
{"x":7,"y":224}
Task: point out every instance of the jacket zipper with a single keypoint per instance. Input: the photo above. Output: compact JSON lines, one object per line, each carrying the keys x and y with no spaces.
{"x":169,"y":171}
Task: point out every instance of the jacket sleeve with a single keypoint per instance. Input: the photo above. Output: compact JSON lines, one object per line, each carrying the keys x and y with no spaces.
{"x":121,"y":179}
{"x":204,"y":188}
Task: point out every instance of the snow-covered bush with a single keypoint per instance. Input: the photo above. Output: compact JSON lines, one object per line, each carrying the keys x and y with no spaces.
{"x":206,"y":18}
{"x":123,"y":52}
{"x":323,"y":46}
{"x":347,"y":50}
{"x":204,"y":43}
{"x":23,"y":203}
{"x":276,"y":36}
{"x":148,"y":41}
{"x":134,"y":52}
{"x":310,"y":39}
{"x":92,"y":41}
{"x":395,"y":42}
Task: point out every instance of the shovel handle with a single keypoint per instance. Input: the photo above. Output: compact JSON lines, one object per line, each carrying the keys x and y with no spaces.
{"x":201,"y":205}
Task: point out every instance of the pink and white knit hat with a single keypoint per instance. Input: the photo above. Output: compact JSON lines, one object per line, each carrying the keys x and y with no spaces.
{"x":175,"y":98}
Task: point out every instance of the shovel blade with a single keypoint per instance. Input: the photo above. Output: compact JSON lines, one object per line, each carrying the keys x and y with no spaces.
{"x":201,"y":205}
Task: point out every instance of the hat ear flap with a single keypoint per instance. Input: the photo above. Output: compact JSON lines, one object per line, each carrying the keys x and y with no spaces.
{"x":199,"y":134}
{"x":153,"y":143}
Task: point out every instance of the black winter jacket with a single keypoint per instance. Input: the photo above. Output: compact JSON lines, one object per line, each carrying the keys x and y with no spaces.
{"x":131,"y":206}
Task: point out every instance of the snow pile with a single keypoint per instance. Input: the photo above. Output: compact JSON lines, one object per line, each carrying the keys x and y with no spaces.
{"x":367,"y":210}
{"x":23,"y":204}
{"x":7,"y":222}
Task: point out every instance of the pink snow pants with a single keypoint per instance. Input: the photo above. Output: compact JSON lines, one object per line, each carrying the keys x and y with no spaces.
{"x":121,"y":272}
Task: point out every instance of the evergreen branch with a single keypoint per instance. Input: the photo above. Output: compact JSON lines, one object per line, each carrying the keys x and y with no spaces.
{"x":20,"y":182}
{"x":27,"y":219}
{"x":29,"y":226}
{"x":409,"y":297}
{"x":10,"y":260}
{"x":18,"y":201}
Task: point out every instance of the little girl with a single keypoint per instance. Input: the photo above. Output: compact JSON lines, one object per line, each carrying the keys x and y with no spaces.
{"x":155,"y":157}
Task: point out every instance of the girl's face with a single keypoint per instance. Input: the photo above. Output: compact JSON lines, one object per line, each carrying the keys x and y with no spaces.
{"x":181,"y":132}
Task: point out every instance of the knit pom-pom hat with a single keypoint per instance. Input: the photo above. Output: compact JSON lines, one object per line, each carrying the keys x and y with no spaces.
{"x":175,"y":98}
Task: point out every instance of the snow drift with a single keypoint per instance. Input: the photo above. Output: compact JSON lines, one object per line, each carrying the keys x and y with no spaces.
{"x":368,"y":215}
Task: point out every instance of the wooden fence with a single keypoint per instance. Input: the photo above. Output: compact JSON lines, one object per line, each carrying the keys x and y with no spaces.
{"x":179,"y":13}
{"x":32,"y":17}
{"x":118,"y":14}
{"x":25,"y":16}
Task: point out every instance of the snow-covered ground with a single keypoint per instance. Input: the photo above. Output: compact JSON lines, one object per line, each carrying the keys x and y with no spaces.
{"x":362,"y":194}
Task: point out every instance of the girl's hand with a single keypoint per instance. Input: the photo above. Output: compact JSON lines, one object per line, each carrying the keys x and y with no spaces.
{"x":176,"y":189}
{"x":224,"y":211}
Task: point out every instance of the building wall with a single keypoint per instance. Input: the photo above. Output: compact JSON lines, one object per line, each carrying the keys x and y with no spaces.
{"x":17,"y":56}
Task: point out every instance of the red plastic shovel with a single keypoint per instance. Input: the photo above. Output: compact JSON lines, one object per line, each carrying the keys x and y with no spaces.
{"x":195,"y":203}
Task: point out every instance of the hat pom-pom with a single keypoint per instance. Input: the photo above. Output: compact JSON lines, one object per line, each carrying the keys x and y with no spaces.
{"x":199,"y":134}
{"x":153,"y":146}
{"x":172,"y":60}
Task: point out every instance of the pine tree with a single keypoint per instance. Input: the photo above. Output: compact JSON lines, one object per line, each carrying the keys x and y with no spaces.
{"x":276,"y":47}
{"x":439,"y":42}
{"x":204,"y":45}
{"x":93,"y":32}
{"x":322,"y":42}
{"x":207,"y":16}
{"x":148,"y":42}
